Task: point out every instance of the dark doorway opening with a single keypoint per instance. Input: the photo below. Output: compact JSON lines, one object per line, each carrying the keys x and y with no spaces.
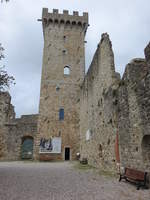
{"x":27,"y":147}
{"x":67,"y":153}
{"x":146,"y":148}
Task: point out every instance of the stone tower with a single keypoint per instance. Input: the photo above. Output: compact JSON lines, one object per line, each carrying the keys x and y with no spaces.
{"x":62,"y":74}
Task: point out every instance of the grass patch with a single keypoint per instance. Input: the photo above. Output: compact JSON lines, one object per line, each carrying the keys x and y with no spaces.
{"x":29,"y":161}
{"x":97,"y":171}
{"x":80,"y":166}
{"x":107,"y":174}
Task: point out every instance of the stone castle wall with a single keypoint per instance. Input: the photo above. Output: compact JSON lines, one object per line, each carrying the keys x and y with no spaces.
{"x":63,"y":46}
{"x":6,"y":108}
{"x":110,"y":107}
{"x":12,"y":129}
{"x":134,"y":114}
{"x":6,"y":114}
{"x":17,"y":130}
{"x":98,"y":108}
{"x":106,"y":119}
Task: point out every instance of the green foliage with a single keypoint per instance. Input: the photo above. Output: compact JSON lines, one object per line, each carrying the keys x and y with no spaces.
{"x":80,"y":166}
{"x":107,"y":174}
{"x":5,"y":79}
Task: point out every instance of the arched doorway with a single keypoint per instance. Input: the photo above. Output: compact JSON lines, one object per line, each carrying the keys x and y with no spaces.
{"x":146,"y":148}
{"x":27,"y":147}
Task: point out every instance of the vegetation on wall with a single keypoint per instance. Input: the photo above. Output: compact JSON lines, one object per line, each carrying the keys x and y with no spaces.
{"x":5,"y":79}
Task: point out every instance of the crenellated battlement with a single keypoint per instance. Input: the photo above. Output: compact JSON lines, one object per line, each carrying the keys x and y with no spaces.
{"x":64,"y":19}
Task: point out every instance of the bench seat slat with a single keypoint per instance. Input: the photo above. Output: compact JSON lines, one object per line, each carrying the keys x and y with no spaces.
{"x":134,"y":174}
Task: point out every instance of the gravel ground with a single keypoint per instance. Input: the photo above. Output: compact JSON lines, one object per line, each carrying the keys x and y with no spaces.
{"x":61,"y":181}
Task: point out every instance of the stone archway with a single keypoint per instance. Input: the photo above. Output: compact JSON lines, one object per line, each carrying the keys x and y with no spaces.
{"x":27,"y":147}
{"x":146,"y":148}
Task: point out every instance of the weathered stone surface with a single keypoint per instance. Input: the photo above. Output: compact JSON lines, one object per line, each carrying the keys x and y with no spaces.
{"x":63,"y":46}
{"x":6,"y":108}
{"x":98,"y":108}
{"x":134,"y":116}
{"x":18,"y":129}
{"x":6,"y":114}
{"x":110,"y":106}
{"x":147,"y":54}
{"x":12,"y":130}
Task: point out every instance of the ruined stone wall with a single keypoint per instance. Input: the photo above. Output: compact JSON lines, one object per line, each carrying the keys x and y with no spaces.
{"x":134,"y":114}
{"x":12,"y":129}
{"x":6,"y":108}
{"x":17,"y":130}
{"x":98,"y":107}
{"x":12,"y":133}
{"x":6,"y":114}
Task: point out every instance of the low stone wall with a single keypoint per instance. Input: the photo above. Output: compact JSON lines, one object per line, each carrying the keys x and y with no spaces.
{"x":12,"y":130}
{"x":15,"y":131}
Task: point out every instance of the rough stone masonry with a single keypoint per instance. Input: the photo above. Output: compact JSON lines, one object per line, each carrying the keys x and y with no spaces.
{"x":62,"y":74}
{"x":98,"y":114}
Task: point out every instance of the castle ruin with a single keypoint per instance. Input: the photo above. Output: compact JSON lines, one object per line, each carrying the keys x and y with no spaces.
{"x":103,"y":117}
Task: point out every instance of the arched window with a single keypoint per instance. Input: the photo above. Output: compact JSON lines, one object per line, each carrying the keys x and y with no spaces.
{"x":66,"y":70}
{"x":64,"y":51}
{"x":61,"y":114}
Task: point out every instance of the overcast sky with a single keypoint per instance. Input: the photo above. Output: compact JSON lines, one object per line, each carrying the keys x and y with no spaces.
{"x":126,"y":21}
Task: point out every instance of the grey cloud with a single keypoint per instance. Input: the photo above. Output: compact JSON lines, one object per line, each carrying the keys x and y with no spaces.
{"x":127,"y":23}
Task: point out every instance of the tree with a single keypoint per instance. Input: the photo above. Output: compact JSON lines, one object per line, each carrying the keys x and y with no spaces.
{"x":5,"y":79}
{"x":4,"y":0}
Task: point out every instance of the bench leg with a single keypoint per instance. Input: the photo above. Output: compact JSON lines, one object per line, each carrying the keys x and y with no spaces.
{"x":138,"y":186}
{"x":120,"y":178}
{"x":141,"y":185}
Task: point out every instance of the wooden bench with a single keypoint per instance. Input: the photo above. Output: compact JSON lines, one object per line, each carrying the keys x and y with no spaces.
{"x":134,"y":176}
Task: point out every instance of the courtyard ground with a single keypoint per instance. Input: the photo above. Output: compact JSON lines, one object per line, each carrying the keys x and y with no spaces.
{"x":62,"y":181}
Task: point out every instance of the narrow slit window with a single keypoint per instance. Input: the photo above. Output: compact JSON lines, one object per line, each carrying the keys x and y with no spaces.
{"x":61,"y":114}
{"x":66,"y":70}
